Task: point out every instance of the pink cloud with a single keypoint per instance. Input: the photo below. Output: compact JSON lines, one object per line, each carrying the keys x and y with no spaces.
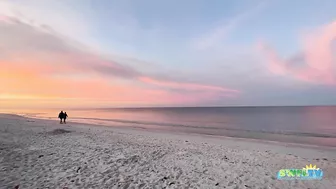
{"x":187,"y":86}
{"x":4,"y":19}
{"x":48,"y":68}
{"x":318,"y":57}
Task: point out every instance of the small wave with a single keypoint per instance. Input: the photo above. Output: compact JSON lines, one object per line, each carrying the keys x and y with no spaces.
{"x":162,"y":124}
{"x":159,"y":125}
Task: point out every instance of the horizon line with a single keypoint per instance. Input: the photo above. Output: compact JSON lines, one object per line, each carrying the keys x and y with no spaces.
{"x":242,"y":106}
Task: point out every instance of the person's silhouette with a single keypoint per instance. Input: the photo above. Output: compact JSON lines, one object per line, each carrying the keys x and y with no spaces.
{"x":61,"y":116}
{"x":65,"y":116}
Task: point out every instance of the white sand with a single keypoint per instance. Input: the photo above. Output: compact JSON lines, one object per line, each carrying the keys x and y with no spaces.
{"x":106,"y":157}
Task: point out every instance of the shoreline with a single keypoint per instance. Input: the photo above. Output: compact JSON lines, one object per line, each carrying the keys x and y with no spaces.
{"x":238,"y":138}
{"x":98,"y":156}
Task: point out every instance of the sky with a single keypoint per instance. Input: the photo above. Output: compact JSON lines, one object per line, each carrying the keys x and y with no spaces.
{"x":131,"y":53}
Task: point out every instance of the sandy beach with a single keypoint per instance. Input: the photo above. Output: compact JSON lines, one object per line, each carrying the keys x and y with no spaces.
{"x":45,"y":154}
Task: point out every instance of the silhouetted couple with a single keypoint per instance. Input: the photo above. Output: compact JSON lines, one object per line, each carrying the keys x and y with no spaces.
{"x":63,"y":116}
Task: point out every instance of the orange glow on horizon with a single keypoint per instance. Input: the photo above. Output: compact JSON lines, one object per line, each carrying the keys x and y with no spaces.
{"x":43,"y":69}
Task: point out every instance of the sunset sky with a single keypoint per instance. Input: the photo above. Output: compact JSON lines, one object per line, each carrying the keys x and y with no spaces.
{"x":131,"y":53}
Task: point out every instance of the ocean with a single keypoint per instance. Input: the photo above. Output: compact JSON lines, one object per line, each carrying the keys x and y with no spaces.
{"x":315,"y":125}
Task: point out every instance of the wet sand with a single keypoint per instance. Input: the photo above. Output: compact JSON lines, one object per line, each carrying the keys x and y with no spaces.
{"x":45,"y":154}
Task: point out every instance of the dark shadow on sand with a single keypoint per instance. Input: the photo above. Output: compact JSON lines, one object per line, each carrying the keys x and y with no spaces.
{"x":58,"y":132}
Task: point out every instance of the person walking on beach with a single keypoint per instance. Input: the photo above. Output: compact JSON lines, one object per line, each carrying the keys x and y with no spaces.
{"x":64,"y":117}
{"x":61,"y":116}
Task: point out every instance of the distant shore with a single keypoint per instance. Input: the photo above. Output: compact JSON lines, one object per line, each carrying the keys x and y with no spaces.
{"x":43,"y":153}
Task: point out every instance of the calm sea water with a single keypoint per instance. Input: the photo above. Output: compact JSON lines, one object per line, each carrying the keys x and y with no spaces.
{"x":309,"y":125}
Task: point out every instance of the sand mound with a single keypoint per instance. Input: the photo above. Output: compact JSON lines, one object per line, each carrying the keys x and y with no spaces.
{"x":58,"y":132}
